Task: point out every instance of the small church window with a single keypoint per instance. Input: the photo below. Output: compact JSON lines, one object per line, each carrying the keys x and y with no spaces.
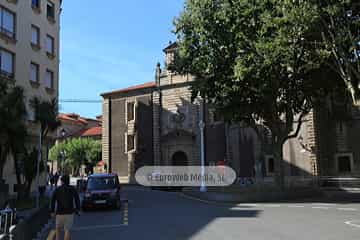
{"x":130,"y":111}
{"x":130,"y":143}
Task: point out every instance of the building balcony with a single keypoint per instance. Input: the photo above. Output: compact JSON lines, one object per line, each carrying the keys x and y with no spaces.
{"x":7,"y":35}
{"x":7,"y":75}
{"x":35,"y":84}
{"x":51,"y":19}
{"x":35,"y":47}
{"x":36,"y":9}
{"x":50,"y":90}
{"x":12,"y":1}
{"x":50,"y":55}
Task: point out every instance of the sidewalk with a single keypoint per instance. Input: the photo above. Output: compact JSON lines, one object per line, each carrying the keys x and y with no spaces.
{"x":255,"y":193}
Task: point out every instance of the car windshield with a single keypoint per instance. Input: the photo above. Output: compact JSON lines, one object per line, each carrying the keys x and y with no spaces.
{"x":101,"y":183}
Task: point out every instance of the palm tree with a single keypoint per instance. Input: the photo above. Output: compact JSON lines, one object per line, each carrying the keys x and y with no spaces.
{"x":18,"y":134}
{"x":46,"y":114}
{"x":30,"y":164}
{"x":12,"y":122}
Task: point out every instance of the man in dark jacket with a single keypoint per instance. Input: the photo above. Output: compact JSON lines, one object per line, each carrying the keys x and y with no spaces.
{"x":64,"y":198}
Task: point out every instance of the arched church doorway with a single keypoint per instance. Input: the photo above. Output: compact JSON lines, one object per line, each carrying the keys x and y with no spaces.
{"x":179,"y":159}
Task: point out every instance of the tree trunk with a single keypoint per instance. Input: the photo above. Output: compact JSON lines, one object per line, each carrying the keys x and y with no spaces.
{"x":17,"y":170}
{"x":28,"y":189}
{"x":2,"y":163}
{"x":278,"y":156}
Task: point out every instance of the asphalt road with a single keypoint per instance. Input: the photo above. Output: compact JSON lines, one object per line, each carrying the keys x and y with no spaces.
{"x":167,"y":216}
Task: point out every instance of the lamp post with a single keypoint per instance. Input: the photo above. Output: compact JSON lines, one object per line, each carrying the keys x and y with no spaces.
{"x":202,"y":146}
{"x":202,"y":127}
{"x":62,"y":153}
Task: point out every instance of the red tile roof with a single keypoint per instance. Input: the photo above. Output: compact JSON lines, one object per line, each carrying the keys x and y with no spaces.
{"x":75,"y":118}
{"x":133,"y":88}
{"x":91,"y":132}
{"x":72,"y":118}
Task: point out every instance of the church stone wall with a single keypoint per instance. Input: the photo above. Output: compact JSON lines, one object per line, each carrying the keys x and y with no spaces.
{"x":119,"y":160}
{"x":176,"y":103}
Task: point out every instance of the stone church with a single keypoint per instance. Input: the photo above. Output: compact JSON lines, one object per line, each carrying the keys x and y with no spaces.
{"x":156,"y":123}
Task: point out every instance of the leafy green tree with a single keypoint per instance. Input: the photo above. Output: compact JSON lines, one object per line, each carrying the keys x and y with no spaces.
{"x":339,"y":26}
{"x":255,"y":60}
{"x":93,"y":155}
{"x":78,"y":151}
{"x":57,"y":153}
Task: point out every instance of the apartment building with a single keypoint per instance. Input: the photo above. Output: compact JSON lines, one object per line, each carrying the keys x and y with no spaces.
{"x":29,"y":55}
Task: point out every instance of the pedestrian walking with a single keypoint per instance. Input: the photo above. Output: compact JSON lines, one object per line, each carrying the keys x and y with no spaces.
{"x":56,"y":178}
{"x":51,"y":178}
{"x":63,"y":198}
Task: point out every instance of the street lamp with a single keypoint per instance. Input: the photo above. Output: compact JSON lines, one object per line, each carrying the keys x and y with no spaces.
{"x":63,"y":133}
{"x":202,"y":144}
{"x":62,"y":153}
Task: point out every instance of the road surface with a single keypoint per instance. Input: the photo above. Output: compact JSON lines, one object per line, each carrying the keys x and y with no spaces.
{"x":169,"y":216}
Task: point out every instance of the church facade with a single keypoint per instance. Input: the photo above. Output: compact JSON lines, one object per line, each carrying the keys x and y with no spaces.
{"x":157,"y":123}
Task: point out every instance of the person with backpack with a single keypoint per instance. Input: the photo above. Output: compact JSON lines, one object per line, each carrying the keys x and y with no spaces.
{"x":63,"y":198}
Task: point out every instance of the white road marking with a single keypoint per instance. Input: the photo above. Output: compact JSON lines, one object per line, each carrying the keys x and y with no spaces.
{"x":248,"y":205}
{"x":320,"y":207}
{"x":353,"y":223}
{"x":272,"y":205}
{"x":237,"y":208}
{"x":347,"y":209}
{"x":296,"y":206}
{"x":324,"y":204}
{"x":98,"y":227}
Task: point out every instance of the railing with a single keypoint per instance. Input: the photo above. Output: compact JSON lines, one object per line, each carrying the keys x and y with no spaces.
{"x":7,"y":219}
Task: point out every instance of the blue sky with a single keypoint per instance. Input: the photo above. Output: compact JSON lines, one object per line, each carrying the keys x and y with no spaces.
{"x":111,"y":46}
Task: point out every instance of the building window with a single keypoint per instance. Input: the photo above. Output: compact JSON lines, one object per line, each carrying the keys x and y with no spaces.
{"x":344,"y":162}
{"x":7,"y":23}
{"x":270,"y":165}
{"x":7,"y":63}
{"x":50,"y":45}
{"x":50,"y":10}
{"x":35,"y":4}
{"x":49,"y":79}
{"x":35,"y":36}
{"x":34,"y":72}
{"x":129,"y":142}
{"x":130,"y":108}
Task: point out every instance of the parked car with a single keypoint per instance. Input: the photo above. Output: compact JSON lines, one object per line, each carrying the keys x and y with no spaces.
{"x":102,"y":190}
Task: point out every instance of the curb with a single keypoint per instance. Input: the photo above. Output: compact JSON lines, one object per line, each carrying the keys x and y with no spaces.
{"x":222,"y":199}
{"x":187,"y":196}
